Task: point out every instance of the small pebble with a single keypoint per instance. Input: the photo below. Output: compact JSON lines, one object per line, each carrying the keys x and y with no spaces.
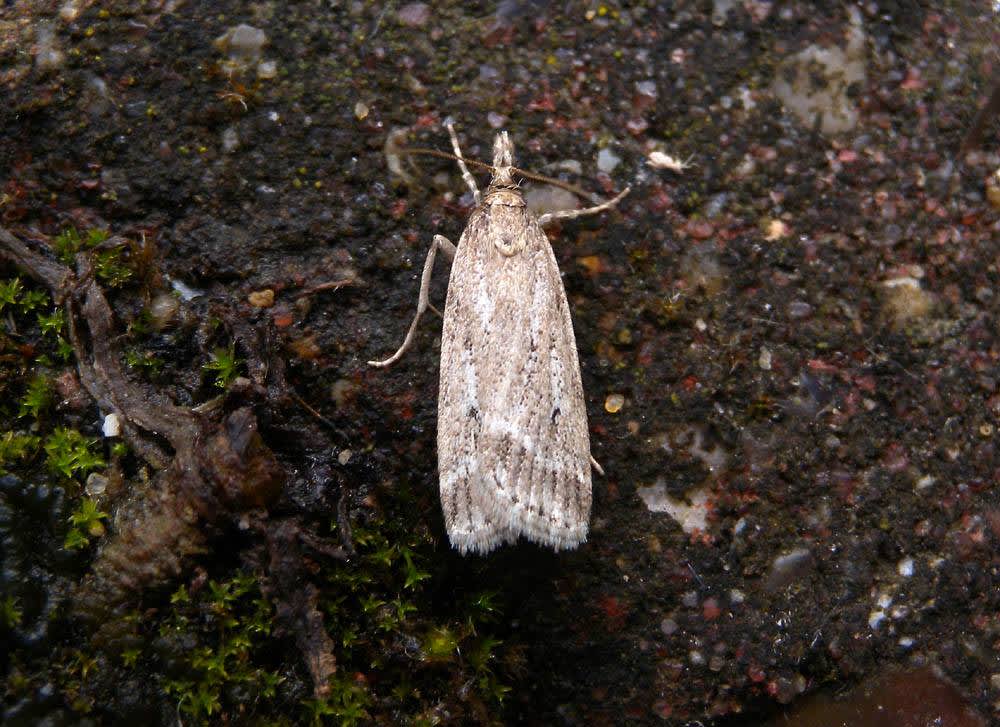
{"x":112,"y":426}
{"x":243,"y":42}
{"x":993,"y":189}
{"x":345,"y":456}
{"x":607,"y":160}
{"x":646,"y":88}
{"x":495,"y":120}
{"x":163,"y":309}
{"x":788,"y":568}
{"x":48,"y":56}
{"x":776,"y":229}
{"x":799,"y":309}
{"x":96,"y":485}
{"x":764,"y":360}
{"x":261,"y":298}
{"x":69,"y":11}
{"x":414,"y":15}
{"x":267,"y":70}
{"x":614,"y":403}
{"x":230,"y":139}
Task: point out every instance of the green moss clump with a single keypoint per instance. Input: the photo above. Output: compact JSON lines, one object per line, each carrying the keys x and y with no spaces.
{"x":224,"y":365}
{"x":229,"y":622}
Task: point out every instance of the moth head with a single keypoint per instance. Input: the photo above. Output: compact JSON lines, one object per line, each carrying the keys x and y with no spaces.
{"x":503,"y":160}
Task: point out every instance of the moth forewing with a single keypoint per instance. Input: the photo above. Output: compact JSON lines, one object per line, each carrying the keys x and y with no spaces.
{"x":513,"y":446}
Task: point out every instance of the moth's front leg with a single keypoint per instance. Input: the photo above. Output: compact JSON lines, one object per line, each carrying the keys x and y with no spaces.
{"x":423,"y":302}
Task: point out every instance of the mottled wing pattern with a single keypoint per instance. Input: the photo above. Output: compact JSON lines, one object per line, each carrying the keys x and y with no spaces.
{"x":513,"y":446}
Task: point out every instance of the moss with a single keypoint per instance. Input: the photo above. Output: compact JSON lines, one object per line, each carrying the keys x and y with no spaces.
{"x":228,"y":622}
{"x":87,"y":521}
{"x":225,"y":365}
{"x":383,"y":616}
{"x":71,"y":454}
{"x":108,"y":262}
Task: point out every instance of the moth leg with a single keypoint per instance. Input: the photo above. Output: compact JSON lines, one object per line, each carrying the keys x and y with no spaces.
{"x":423,"y":303}
{"x":570,"y":214}
{"x":596,"y":466}
{"x":466,"y":177}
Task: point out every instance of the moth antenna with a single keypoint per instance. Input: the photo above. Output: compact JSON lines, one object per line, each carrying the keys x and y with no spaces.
{"x":581,"y":193}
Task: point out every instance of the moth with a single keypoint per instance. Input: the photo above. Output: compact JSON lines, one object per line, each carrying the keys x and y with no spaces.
{"x":513,"y":446}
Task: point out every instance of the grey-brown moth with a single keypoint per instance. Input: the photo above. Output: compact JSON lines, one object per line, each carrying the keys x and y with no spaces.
{"x":513,"y":446}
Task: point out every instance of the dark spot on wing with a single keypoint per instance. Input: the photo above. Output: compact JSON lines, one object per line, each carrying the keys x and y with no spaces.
{"x":555,"y":413}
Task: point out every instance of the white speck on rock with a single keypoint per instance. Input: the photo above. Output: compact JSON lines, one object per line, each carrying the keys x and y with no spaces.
{"x":267,"y":70}
{"x":875,"y":618}
{"x":764,"y":360}
{"x":905,"y":567}
{"x":797,"y":82}
{"x":230,"y":139}
{"x":607,"y":160}
{"x":544,"y":198}
{"x":48,"y":56}
{"x":243,"y":43}
{"x":69,"y":11}
{"x":690,"y":515}
{"x":185,"y":291}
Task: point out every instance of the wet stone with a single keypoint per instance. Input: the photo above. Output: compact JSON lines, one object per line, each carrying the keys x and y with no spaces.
{"x":788,"y":568}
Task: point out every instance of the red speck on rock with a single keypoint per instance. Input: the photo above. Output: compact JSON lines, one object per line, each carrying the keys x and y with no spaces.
{"x":545,"y":102}
{"x":283,"y":319}
{"x":399,"y":208}
{"x":710,"y":609}
{"x":636,"y":126}
{"x":700,"y":229}
{"x":663,"y":709}
{"x":614,"y":612}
